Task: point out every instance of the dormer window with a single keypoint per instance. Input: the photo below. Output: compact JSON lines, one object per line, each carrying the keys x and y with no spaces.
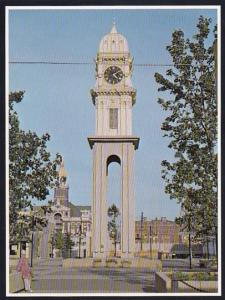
{"x":113,"y":45}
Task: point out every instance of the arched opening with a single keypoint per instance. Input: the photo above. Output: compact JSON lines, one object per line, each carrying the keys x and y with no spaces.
{"x":57,"y":217}
{"x":111,"y":159}
{"x":58,"y":221}
{"x":114,"y":198}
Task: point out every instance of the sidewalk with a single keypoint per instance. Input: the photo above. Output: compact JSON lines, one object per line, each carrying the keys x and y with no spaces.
{"x":50,"y":276}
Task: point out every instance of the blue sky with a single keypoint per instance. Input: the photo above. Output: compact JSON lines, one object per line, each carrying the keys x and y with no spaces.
{"x":58,"y":101}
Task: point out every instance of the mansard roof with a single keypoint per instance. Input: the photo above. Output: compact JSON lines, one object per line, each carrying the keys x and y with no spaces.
{"x":75,"y":210}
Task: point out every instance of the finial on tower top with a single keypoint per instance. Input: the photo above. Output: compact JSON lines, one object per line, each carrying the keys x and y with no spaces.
{"x":113,"y":30}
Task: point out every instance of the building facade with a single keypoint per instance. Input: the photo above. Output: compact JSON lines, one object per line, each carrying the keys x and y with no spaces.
{"x":67,"y":218}
{"x":155,"y":238}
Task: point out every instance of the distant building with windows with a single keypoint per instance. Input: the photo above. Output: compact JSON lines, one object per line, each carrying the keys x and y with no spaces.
{"x":67,"y":218}
{"x":156,"y":237}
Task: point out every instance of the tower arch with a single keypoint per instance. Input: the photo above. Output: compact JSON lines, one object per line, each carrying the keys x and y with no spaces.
{"x":114,"y":197}
{"x":112,"y":158}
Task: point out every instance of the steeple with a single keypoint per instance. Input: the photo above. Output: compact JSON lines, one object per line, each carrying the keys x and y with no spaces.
{"x":62,"y":173}
{"x":61,"y":193}
{"x":113,"y":30}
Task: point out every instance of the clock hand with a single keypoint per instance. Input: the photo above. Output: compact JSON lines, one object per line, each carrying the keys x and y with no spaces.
{"x":117,"y":72}
{"x":115,"y":75}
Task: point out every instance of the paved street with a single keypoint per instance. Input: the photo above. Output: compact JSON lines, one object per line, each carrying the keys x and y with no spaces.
{"x":50,"y":276}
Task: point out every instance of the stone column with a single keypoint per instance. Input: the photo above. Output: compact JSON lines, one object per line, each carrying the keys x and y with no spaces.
{"x":103,"y":213}
{"x":99,"y":213}
{"x":131,"y":211}
{"x":128,"y":206}
{"x":124,"y":204}
{"x":69,"y":227}
{"x":95,"y":206}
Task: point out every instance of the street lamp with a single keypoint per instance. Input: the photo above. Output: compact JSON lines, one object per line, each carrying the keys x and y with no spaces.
{"x":24,"y":235}
{"x":22,"y":242}
{"x":80,"y":235}
{"x":114,"y":237}
{"x":142,"y":218}
{"x":52,"y":245}
{"x":150,"y":240}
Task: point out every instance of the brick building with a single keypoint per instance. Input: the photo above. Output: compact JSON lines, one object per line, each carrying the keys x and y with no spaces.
{"x":156,"y":237}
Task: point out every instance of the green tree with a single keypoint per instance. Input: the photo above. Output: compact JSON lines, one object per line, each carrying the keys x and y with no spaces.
{"x":58,"y":241}
{"x":31,"y":172}
{"x":67,"y":244}
{"x":113,"y":213}
{"x":30,"y":220}
{"x":191,"y":125}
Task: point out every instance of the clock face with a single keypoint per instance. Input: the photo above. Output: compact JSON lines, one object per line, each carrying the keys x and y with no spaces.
{"x":113,"y":74}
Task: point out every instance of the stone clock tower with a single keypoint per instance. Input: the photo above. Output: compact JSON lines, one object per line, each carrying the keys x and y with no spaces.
{"x":113,"y":97}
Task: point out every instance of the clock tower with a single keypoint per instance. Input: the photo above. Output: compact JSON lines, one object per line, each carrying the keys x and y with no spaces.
{"x":113,"y":97}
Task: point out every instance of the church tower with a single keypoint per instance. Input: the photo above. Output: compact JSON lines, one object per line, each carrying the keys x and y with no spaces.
{"x":113,"y":97}
{"x":61,"y":192}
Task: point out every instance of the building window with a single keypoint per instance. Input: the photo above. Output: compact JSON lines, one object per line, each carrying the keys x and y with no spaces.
{"x":113,"y":118}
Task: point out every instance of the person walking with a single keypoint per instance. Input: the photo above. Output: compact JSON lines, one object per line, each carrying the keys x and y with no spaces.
{"x":24,"y":268}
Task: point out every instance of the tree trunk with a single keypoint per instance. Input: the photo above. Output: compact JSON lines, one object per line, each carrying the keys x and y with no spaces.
{"x":189,"y":240}
{"x":115,"y":249}
{"x":216,"y":245}
{"x":207,"y":245}
{"x":32,"y":250}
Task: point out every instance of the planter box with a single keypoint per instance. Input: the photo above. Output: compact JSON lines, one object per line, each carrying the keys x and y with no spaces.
{"x":207,"y":286}
{"x":207,"y":263}
{"x":126,"y":263}
{"x":97,"y":263}
{"x":112,"y":264}
{"x":162,"y":282}
{"x":164,"y":285}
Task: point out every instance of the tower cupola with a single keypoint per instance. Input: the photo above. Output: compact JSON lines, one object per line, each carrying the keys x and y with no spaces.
{"x":113,"y":42}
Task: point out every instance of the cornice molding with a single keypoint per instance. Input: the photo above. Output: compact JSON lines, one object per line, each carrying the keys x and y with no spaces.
{"x":114,"y":139}
{"x":125,"y":92}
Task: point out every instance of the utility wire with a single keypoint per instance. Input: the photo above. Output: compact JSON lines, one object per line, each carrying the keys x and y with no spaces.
{"x":89,"y":63}
{"x":50,"y":63}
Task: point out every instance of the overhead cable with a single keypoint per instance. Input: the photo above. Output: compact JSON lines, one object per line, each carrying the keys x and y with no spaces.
{"x":90,"y":63}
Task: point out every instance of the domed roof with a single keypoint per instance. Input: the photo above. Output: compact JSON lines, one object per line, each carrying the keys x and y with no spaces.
{"x":113,"y":42}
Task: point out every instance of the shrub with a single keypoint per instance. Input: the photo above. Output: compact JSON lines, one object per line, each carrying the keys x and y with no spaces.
{"x":111,"y":260}
{"x":126,"y":262}
{"x":97,"y":260}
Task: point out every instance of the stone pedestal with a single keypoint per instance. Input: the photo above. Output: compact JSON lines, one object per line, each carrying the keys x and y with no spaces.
{"x":105,"y":151}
